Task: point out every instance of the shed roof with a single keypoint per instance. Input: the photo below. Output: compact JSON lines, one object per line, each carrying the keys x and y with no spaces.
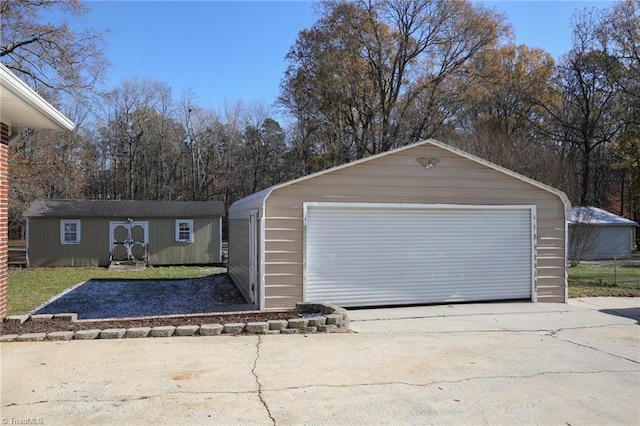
{"x":124,"y":208}
{"x":265,"y":193}
{"x":596,"y":216}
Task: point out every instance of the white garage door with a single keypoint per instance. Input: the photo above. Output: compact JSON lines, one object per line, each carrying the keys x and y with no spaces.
{"x":378,"y":254}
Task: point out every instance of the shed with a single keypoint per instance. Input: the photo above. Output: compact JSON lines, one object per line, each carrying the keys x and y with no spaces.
{"x":610,"y":236}
{"x":425,"y":223}
{"x":96,"y":232}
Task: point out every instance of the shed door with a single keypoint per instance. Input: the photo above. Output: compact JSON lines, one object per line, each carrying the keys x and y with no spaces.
{"x":375,"y":254}
{"x":129,"y":240}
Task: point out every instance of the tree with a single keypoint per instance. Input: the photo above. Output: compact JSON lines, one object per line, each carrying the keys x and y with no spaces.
{"x":139,"y":142}
{"x":582,"y":235}
{"x":495,"y":119}
{"x":618,"y":33}
{"x":63,"y":65}
{"x":582,"y":110}
{"x":44,"y":164}
{"x":204,"y":149}
{"x":51,"y":57}
{"x":510,"y":78}
{"x":619,"y":36}
{"x":372,"y":75}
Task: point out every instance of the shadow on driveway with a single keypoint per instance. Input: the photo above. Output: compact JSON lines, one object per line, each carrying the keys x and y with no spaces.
{"x":631,"y":313}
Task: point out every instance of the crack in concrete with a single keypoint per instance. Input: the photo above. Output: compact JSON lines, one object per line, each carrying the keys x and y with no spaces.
{"x":553,"y":333}
{"x":442,"y":382}
{"x":582,"y":327}
{"x":582,"y":345}
{"x":476,"y":331}
{"x":502,"y":330}
{"x":128,"y":399}
{"x":255,"y":375}
{"x":316,"y":386}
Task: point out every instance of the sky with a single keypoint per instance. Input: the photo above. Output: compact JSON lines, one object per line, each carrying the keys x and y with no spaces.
{"x":224,"y":51}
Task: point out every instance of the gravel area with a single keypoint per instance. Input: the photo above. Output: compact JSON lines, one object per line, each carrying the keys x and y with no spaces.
{"x":98,"y":299}
{"x":102,"y":304}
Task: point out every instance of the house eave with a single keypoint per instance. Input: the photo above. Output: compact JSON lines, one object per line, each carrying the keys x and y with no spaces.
{"x":22,"y":107}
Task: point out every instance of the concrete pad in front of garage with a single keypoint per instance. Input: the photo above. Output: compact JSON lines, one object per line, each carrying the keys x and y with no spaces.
{"x":495,"y":375}
{"x":516,"y":316}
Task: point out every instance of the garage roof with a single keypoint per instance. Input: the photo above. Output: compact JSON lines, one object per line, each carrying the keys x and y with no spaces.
{"x":265,"y":193}
{"x":124,"y":208}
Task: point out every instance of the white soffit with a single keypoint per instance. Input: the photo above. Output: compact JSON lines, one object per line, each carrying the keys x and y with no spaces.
{"x":21,"y":106}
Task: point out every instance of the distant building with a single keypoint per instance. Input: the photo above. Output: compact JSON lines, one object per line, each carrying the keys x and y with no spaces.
{"x":612,"y":237}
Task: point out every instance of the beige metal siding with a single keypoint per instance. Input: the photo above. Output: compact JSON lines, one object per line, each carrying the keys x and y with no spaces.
{"x":93,"y":250}
{"x":44,"y":248}
{"x":239,"y":254}
{"x":239,"y":243}
{"x":165,"y":250}
{"x":399,"y":178}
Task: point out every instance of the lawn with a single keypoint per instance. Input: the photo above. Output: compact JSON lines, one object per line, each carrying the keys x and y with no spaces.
{"x":31,"y":287}
{"x":590,"y":279}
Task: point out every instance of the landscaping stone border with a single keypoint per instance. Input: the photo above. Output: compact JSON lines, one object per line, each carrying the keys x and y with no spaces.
{"x":320,"y":318}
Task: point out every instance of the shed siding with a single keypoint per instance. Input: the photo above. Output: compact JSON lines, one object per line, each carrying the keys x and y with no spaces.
{"x":205,"y":248}
{"x":44,"y":248}
{"x":399,"y":178}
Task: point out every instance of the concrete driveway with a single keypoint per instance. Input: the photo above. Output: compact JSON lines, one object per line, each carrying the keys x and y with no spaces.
{"x":506,"y":363}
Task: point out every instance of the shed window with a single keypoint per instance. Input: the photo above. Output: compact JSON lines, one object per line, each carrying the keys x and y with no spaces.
{"x":69,"y":231}
{"x":184,"y":230}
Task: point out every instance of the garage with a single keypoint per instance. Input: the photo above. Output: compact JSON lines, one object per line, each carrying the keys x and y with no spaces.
{"x":377,"y":254}
{"x":424,"y":223}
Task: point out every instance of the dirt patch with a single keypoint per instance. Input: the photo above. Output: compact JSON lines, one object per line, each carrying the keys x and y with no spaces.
{"x":61,"y":325}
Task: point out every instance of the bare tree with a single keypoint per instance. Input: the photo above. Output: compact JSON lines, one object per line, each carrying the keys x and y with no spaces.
{"x":582,"y":110}
{"x":51,"y":57}
{"x":138,"y":136}
{"x":204,"y":149}
{"x":582,"y":235}
{"x":372,"y":75}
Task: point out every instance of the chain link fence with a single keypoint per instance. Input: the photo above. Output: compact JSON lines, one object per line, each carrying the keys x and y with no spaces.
{"x":611,"y":273}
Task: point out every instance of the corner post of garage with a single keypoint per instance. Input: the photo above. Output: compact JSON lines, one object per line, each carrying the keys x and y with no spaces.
{"x":534,"y":254}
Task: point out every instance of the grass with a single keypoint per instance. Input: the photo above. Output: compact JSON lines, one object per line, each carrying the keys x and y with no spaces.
{"x":590,"y":279}
{"x":31,"y":287}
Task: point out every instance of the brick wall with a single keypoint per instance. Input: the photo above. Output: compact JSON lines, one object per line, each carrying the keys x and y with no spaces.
{"x":4,"y":216}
